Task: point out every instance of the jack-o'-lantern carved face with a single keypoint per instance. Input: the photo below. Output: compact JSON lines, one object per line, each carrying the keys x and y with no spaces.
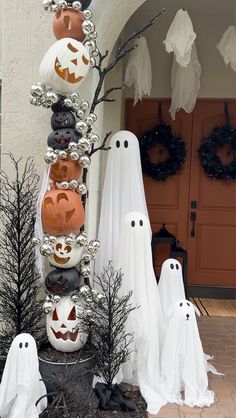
{"x":62,"y":212}
{"x":65,"y":66}
{"x":63,"y":327}
{"x":65,"y":170}
{"x":62,"y":282}
{"x":61,"y":138}
{"x":65,"y":256}
{"x":63,"y":119}
{"x":68,"y":24}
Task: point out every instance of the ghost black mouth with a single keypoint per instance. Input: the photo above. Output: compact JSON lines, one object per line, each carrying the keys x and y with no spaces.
{"x":65,"y":74}
{"x":72,"y":336}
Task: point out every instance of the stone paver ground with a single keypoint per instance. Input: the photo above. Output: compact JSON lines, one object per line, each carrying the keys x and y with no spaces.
{"x":218,"y":336}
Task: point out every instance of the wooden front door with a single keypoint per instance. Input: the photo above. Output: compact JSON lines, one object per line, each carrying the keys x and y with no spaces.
{"x":212,"y":249}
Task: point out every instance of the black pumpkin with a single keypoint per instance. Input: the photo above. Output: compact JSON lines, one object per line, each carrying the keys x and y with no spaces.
{"x":63,"y":119}
{"x":61,"y":138}
{"x":62,"y":281}
{"x":85,"y":3}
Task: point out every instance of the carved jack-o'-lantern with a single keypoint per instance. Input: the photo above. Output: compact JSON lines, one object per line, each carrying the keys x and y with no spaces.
{"x":65,"y":66}
{"x":68,"y":24}
{"x":65,"y":255}
{"x":63,"y":119}
{"x":63,"y":327}
{"x":62,"y":282}
{"x":65,"y":170}
{"x":85,"y":3}
{"x":62,"y":212}
{"x":61,"y":138}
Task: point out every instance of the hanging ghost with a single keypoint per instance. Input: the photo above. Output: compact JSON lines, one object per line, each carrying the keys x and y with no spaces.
{"x":65,"y":256}
{"x":227,"y":46}
{"x":65,"y":66}
{"x":21,"y":385}
{"x":123,"y":192}
{"x":183,"y":362}
{"x":139,"y":70}
{"x":146,"y":323}
{"x":64,"y":328}
{"x":171,"y":286}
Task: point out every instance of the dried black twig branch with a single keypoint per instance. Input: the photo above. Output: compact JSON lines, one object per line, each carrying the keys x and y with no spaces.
{"x":103,"y":146}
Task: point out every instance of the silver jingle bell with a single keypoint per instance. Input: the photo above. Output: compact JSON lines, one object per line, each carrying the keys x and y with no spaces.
{"x":62,"y":4}
{"x":101,"y":298}
{"x":84,"y":105}
{"x":35,"y":241}
{"x":93,"y":116}
{"x":84,"y":161}
{"x":72,"y":146}
{"x":89,"y":120}
{"x":80,"y":114}
{"x":92,"y":62}
{"x":87,"y":14}
{"x":77,"y":5}
{"x":46,"y":250}
{"x":74,"y":184}
{"x":83,"y":144}
{"x":64,"y":185}
{"x":93,"y":35}
{"x":96,"y":244}
{"x":85,"y":290}
{"x":91,"y":45}
{"x":56,"y":298}
{"x":62,"y":155}
{"x":47,"y":4}
{"x":86,"y":257}
{"x":74,"y":155}
{"x":52,"y":239}
{"x":75,"y":97}
{"x":52,"y":97}
{"x":88,"y":27}
{"x":94,"y":138}
{"x":68,"y":102}
{"x":75,"y":299}
{"x":81,"y":240}
{"x":48,"y":307}
{"x":82,"y":188}
{"x":69,"y":241}
{"x":81,"y":127}
{"x":95,"y":53}
{"x":37,"y":90}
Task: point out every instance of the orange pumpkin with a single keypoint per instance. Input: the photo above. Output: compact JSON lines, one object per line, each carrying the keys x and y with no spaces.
{"x":65,"y":170}
{"x":62,"y":212}
{"x":68,"y":24}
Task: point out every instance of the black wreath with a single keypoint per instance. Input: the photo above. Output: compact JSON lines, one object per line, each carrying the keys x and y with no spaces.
{"x":162,"y":134}
{"x":210,"y":161}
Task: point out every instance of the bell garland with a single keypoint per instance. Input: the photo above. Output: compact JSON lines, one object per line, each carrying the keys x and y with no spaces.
{"x":209,"y":158}
{"x":175,"y":146}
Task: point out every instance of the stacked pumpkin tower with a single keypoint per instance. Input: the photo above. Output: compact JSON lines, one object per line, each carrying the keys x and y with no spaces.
{"x":62,"y":216}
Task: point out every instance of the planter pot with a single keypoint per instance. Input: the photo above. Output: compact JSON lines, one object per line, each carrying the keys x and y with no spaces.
{"x":48,"y":368}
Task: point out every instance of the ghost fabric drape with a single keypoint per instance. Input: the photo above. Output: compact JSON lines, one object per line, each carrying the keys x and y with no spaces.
{"x":139,"y":70}
{"x":183,"y":363}
{"x":180,"y":38}
{"x":21,"y":385}
{"x":227,"y":47}
{"x":123,"y":192}
{"x":146,"y":323}
{"x":185,"y":84}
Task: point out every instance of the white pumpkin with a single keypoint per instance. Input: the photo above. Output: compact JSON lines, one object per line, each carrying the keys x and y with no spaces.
{"x":65,"y":65}
{"x":64,"y":327}
{"x":65,"y":256}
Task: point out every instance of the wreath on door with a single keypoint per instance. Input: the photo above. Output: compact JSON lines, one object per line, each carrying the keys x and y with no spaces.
{"x":171,"y":147}
{"x":218,"y":152}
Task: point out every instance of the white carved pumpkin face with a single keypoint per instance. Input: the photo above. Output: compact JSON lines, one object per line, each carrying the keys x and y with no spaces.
{"x":65,"y":65}
{"x":65,"y":256}
{"x":63,"y":327}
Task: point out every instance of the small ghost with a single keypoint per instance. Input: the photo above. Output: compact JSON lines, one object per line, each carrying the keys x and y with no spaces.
{"x":183,"y":362}
{"x":171,"y":286}
{"x":21,"y":385}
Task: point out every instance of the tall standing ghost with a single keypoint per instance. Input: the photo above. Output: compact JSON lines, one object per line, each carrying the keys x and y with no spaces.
{"x":146,"y":323}
{"x":123,"y":192}
{"x":171,"y":286}
{"x":21,"y":385}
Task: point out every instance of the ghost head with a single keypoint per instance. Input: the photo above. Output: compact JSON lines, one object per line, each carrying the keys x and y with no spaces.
{"x":183,"y":363}
{"x":171,"y":286}
{"x":21,"y":384}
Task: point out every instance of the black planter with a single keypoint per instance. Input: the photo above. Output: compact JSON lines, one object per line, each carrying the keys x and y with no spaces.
{"x":48,"y":368}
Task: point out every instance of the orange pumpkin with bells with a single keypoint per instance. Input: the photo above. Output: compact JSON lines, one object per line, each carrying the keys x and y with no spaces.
{"x":65,"y":170}
{"x":68,"y":24}
{"x":62,"y":212}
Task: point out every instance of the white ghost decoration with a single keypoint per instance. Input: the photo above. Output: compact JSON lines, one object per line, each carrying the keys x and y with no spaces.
{"x":65,"y":256}
{"x":180,"y":37}
{"x":123,"y":192}
{"x":183,"y":362}
{"x":139,"y":70}
{"x":21,"y":385}
{"x":64,"y":327}
{"x":146,"y":323}
{"x":171,"y":286}
{"x":227,"y":46}
{"x":185,"y":84}
{"x":65,"y":66}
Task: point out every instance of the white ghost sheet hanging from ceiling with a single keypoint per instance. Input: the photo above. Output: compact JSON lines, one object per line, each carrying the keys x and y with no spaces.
{"x":134,"y":258}
{"x":139,"y":70}
{"x":21,"y":385}
{"x":180,"y":37}
{"x":171,"y":286}
{"x":185,"y":84}
{"x":123,"y":192}
{"x":227,"y":46}
{"x":183,"y":362}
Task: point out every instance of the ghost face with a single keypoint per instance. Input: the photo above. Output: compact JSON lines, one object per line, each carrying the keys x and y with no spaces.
{"x":63,"y":119}
{"x":63,"y":327}
{"x":24,"y":350}
{"x":172,"y":266}
{"x":124,"y":143}
{"x":61,"y":138}
{"x":138,"y":226}
{"x":65,"y":66}
{"x":185,"y":311}
{"x":65,"y":256}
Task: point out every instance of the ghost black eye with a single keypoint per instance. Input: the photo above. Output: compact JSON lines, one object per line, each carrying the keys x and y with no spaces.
{"x":126,"y":144}
{"x":172,"y":266}
{"x":132,"y":223}
{"x":188,"y":304}
{"x":117,"y":144}
{"x":20,"y":345}
{"x":181,"y":304}
{"x":141,"y":222}
{"x":177,"y":267}
{"x":26,"y":345}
